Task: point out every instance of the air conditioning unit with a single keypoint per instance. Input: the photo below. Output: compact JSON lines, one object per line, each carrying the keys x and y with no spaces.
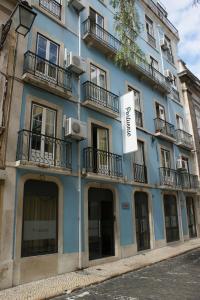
{"x":181,"y":164}
{"x":164,"y":45}
{"x":77,"y":4}
{"x":75,"y":63}
{"x":169,"y":75}
{"x":75,"y":129}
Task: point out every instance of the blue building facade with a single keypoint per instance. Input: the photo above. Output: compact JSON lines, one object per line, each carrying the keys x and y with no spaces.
{"x":79,"y":200}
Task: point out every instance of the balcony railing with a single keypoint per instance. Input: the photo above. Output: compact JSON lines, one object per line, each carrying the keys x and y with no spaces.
{"x":151,"y":40}
{"x":155,"y":8}
{"x":109,"y":41}
{"x":138,"y":118}
{"x":46,"y":70}
{"x":169,"y":177}
{"x":177,"y":179}
{"x":53,"y":6}
{"x":184,"y":138}
{"x":101,"y":96}
{"x":164,"y":128}
{"x":102,"y":162}
{"x":43,"y":149}
{"x":90,"y":27}
{"x":189,"y":181}
{"x":140,"y":173}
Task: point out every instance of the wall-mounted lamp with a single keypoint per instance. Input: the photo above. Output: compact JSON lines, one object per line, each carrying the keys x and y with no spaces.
{"x":21,"y":19}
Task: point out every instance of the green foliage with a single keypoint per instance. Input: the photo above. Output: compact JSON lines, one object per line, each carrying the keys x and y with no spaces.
{"x":128,"y":27}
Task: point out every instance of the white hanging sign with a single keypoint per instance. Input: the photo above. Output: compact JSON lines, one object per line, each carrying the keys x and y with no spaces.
{"x":128,"y":122}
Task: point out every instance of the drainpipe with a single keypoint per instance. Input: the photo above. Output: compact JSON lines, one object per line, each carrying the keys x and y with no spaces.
{"x":79,"y":159}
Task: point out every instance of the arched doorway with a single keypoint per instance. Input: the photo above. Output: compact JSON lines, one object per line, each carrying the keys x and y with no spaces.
{"x":100,"y":223}
{"x":191,"y":217}
{"x":171,"y":218}
{"x":142,"y":221}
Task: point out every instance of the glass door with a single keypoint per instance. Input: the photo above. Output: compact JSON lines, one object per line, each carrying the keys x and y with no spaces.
{"x":100,"y":223}
{"x":169,"y":175}
{"x":43,"y":134}
{"x":47,"y":58}
{"x":142,"y":221}
{"x":98,"y":77}
{"x":191,"y":217}
{"x":171,"y":218}
{"x":97,"y":24}
{"x":102,"y":145}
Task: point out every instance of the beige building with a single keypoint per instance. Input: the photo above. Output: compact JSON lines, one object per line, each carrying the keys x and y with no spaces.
{"x":190,"y":91}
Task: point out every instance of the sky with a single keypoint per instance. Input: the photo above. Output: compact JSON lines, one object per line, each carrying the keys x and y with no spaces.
{"x":186,"y":18}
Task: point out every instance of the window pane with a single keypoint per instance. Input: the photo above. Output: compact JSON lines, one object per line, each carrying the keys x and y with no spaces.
{"x":40,"y":218}
{"x":42,"y":46}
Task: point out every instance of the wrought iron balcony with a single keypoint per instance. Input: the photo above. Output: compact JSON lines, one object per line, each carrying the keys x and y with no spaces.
{"x":156,"y":8}
{"x":100,"y":99}
{"x":184,"y":139}
{"x":178,"y":179}
{"x":138,"y":118}
{"x":140,"y":173}
{"x":189,"y":181}
{"x":151,"y":40}
{"x":47,"y":71}
{"x":164,"y":129}
{"x":52,"y":6}
{"x":108,"y":44}
{"x":102,"y":162}
{"x":169,"y":177}
{"x":43,"y":150}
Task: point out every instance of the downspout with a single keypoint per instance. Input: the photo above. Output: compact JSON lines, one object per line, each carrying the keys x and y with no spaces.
{"x":79,"y":158}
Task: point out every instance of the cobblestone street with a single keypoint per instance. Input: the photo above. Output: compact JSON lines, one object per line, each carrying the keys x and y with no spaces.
{"x":176,"y":278}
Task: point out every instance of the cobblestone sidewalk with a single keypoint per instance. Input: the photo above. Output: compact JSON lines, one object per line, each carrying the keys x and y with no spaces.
{"x":69,"y":282}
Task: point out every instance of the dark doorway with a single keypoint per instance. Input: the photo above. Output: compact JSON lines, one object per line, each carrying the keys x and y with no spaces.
{"x":191,"y":217}
{"x":171,"y":218}
{"x":142,"y":221}
{"x":100,"y":223}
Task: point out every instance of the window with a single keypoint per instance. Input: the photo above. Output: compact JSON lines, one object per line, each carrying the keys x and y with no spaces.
{"x":150,"y":32}
{"x":96,"y":18}
{"x":165,"y":158}
{"x":179,"y":122}
{"x":53,"y":6}
{"x":139,"y":157}
{"x":154,"y":63}
{"x":47,"y":57}
{"x":197,"y":114}
{"x":185,"y":159}
{"x":43,"y":127}
{"x":138,"y":108}
{"x":174,"y":82}
{"x":40,"y":218}
{"x":149,"y":26}
{"x":98,"y":76}
{"x":139,"y":167}
{"x":160,"y":111}
{"x":169,"y":53}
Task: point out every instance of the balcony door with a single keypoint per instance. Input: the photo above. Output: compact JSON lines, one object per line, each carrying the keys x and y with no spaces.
{"x":168,"y":175}
{"x":97,"y":24}
{"x":142,"y":221}
{"x":98,"y":90}
{"x":139,"y":167}
{"x":47,"y":58}
{"x":100,"y":138}
{"x":171,"y":218}
{"x":160,"y":112}
{"x":191,"y":217}
{"x":100,"y":223}
{"x":42,"y":141}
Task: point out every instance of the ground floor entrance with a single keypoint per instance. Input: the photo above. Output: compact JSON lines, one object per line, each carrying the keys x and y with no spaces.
{"x":142,"y":221}
{"x":171,"y":218}
{"x":191,"y":217}
{"x":100,"y":223}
